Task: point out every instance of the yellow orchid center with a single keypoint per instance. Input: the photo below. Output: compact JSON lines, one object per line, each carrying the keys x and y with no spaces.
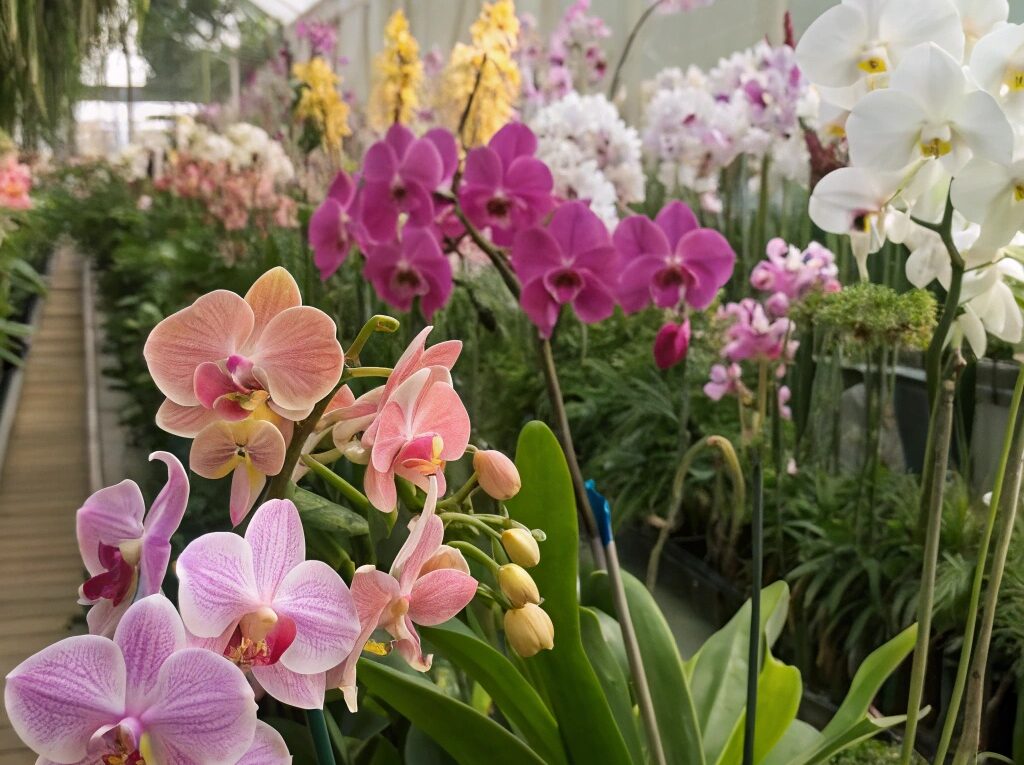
{"x":248,"y":653}
{"x":863,"y":222}
{"x":377,"y":648}
{"x":1013,"y":79}
{"x":251,"y":401}
{"x":126,"y":753}
{"x":936,"y":141}
{"x":131,"y":551}
{"x":873,"y":64}
{"x":430,"y":463}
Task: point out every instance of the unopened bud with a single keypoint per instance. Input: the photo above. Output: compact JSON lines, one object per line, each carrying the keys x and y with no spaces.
{"x":521,"y":547}
{"x":529,"y":630}
{"x":517,"y":585}
{"x":497,"y":474}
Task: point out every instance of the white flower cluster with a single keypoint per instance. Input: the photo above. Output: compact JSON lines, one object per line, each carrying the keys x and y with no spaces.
{"x":592,"y":153}
{"x":928,"y":94}
{"x":144,"y":157}
{"x":241,"y":146}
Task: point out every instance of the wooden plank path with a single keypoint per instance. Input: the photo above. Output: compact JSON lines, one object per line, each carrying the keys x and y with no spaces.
{"x":44,"y":479}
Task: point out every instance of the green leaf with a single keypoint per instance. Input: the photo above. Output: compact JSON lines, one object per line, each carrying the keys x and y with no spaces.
{"x":612,"y":677}
{"x":797,"y":739}
{"x":779,"y":688}
{"x":670,"y":689}
{"x":546,"y":501}
{"x":718,"y":671}
{"x":319,"y":513}
{"x":421,"y":749}
{"x":468,"y":736}
{"x":509,"y":690}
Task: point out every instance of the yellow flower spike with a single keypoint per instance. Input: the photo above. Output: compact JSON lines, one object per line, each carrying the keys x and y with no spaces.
{"x":320,"y":102}
{"x":398,"y":76}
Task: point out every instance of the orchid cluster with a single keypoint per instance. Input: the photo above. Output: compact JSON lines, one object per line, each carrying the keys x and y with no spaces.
{"x":572,"y":61}
{"x":15,"y":183}
{"x":788,"y":274}
{"x":319,"y":107}
{"x":249,"y":378}
{"x":925,"y":94}
{"x":321,"y":37}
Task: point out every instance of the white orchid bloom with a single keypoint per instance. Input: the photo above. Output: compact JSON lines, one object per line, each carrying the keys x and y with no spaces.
{"x":997,"y":65}
{"x":866,"y":39}
{"x":930,"y":111}
{"x":990,"y":306}
{"x":979,"y":17}
{"x":991,"y":194}
{"x":929,"y":260}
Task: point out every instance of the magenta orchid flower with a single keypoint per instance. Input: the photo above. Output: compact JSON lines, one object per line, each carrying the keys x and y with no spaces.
{"x":330,"y":227}
{"x":260,"y":603}
{"x":400,"y":175}
{"x":414,"y":267}
{"x":572,"y":261}
{"x":671,"y":260}
{"x":229,"y":358}
{"x":423,"y":425}
{"x":139,"y":697}
{"x":505,"y":188}
{"x":428,"y":584}
{"x":125,"y":550}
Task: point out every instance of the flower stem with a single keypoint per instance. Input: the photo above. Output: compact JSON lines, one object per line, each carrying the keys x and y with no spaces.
{"x":376,"y":323}
{"x":979,"y":577}
{"x":617,"y":74}
{"x":278,"y":485}
{"x":476,"y":554}
{"x":494,"y":253}
{"x":321,"y":738}
{"x":458,"y":498}
{"x":969,"y":738}
{"x":933,"y":356}
{"x":756,"y":566}
{"x":350,"y":492}
{"x":939,"y":458}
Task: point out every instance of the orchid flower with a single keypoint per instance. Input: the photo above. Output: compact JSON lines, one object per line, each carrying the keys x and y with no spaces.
{"x":571,"y":261}
{"x":990,"y":306}
{"x":671,"y":344}
{"x":330,"y":227}
{"x":429,"y":583}
{"x":979,"y":17}
{"x":411,"y":268}
{"x":752,"y":334}
{"x":422,"y":425}
{"x":997,"y":65}
{"x":264,"y":606}
{"x":930,"y":111}
{"x":229,"y":358}
{"x":505,"y":188}
{"x":866,"y":39}
{"x":126,"y":554}
{"x":670,"y":260}
{"x":139,"y":697}
{"x":991,"y":195}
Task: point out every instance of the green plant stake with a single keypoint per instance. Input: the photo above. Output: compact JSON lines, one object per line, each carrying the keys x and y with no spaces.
{"x":321,"y":738}
{"x":754,"y":654}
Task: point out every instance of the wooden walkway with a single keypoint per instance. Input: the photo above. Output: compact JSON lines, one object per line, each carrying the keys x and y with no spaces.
{"x":44,"y":479}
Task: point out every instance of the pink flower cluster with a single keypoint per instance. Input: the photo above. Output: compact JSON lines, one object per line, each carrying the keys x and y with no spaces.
{"x":322,"y":37}
{"x":239,"y":199}
{"x":15,"y":183}
{"x":789,"y":274}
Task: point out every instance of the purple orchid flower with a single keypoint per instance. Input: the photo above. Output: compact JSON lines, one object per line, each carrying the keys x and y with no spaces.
{"x":139,"y":697}
{"x":505,"y":187}
{"x":671,"y":259}
{"x":414,"y":267}
{"x":331,"y":226}
{"x":258,"y":601}
{"x":571,"y":261}
{"x":400,"y":175}
{"x":126,"y":556}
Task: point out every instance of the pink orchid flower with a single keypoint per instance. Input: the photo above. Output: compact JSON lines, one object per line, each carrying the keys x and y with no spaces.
{"x":671,"y":260}
{"x":505,"y":188}
{"x":428,"y":584}
{"x":330,"y":227}
{"x":400,"y":175}
{"x":15,"y":183}
{"x":753,"y":334}
{"x":423,"y":425}
{"x":414,"y":267}
{"x":125,"y":554}
{"x":229,"y":358}
{"x":257,"y":600}
{"x":572,"y":261}
{"x":249,"y":451}
{"x":139,"y":697}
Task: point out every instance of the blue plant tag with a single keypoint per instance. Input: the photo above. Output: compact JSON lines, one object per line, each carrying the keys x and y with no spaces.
{"x":602,"y":511}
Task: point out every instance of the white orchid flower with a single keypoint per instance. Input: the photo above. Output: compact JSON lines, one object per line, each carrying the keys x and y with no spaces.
{"x":930,"y":111}
{"x":990,"y":306}
{"x":979,"y":17}
{"x":997,"y":65}
{"x":991,"y":194}
{"x":866,"y":39}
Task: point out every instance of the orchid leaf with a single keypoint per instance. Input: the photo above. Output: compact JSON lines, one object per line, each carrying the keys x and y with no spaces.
{"x":569,"y":682}
{"x":468,"y":736}
{"x":509,"y":690}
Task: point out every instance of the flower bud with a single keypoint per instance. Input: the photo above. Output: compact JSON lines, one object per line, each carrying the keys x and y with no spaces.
{"x":517,"y":585}
{"x":497,"y":474}
{"x":529,"y":630}
{"x":671,"y":344}
{"x":521,"y":547}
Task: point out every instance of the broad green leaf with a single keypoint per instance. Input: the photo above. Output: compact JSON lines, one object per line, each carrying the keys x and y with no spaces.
{"x":867,"y":728}
{"x":324,"y":515}
{"x":612,"y":678}
{"x":797,"y":739}
{"x":779,"y":688}
{"x":510,"y":691}
{"x":718,"y":671}
{"x":546,"y":501}
{"x":671,"y":695}
{"x":421,"y":749}
{"x":468,"y":736}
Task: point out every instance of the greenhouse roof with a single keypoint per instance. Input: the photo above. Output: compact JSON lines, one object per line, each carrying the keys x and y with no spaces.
{"x":285,"y":11}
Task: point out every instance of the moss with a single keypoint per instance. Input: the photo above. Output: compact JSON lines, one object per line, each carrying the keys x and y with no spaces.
{"x":873,"y":315}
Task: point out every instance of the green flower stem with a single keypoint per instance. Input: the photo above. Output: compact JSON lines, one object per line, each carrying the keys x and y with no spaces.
{"x":377,"y":323}
{"x":754,"y":651}
{"x":979,"y":578}
{"x":476,"y":554}
{"x":494,"y":253}
{"x":457,"y":499}
{"x":939,"y":458}
{"x":278,"y":486}
{"x":475,"y":521}
{"x":350,"y":492}
{"x":967,"y":751}
{"x":321,"y":738}
{"x":353,"y":372}
{"x":617,"y":74}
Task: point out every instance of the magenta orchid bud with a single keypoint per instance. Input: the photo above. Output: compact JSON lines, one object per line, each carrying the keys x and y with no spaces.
{"x":521,"y":546}
{"x":517,"y":585}
{"x":497,"y":474}
{"x":529,"y":630}
{"x":671,"y":344}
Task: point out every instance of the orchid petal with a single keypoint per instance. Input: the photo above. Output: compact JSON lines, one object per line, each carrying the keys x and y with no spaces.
{"x":439,"y":595}
{"x":409,"y":647}
{"x":884,"y":130}
{"x":104,"y":616}
{"x":292,"y":688}
{"x":538,"y":304}
{"x":676,"y":220}
{"x":267,"y":748}
{"x":184,"y":421}
{"x":708,"y":256}
{"x":380,"y":489}
{"x":246,"y":484}
{"x":111,"y":515}
{"x":278,"y":544}
{"x":829,"y":48}
{"x":274,"y":292}
{"x":514,"y":140}
{"x":317,"y":600}
{"x":985,"y":127}
{"x":216,"y":583}
{"x":577,"y":229}
{"x":214,"y":451}
{"x":148,"y":633}
{"x":421,"y":545}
